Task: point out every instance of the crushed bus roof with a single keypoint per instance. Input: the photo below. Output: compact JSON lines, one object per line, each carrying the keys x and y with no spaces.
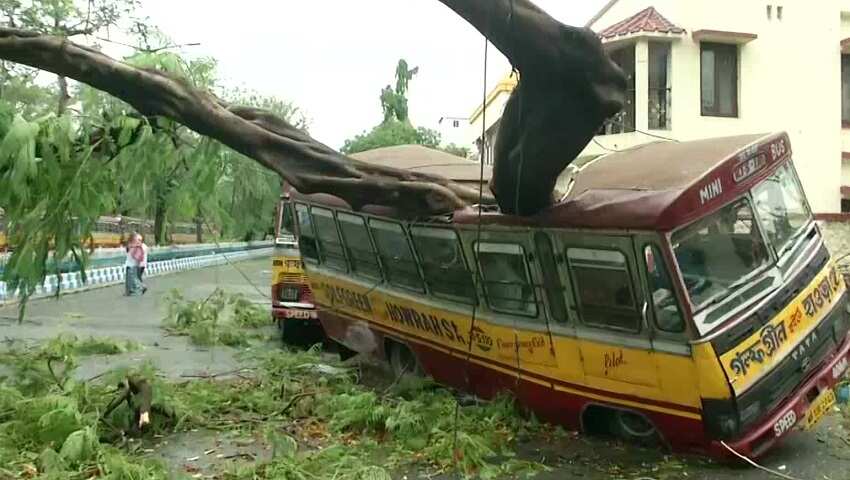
{"x":426,"y":160}
{"x":655,"y":186}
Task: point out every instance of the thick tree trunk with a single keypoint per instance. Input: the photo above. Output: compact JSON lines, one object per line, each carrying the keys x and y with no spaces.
{"x":568,"y":88}
{"x":308,"y":165}
{"x":159,"y":219}
{"x":64,"y":96}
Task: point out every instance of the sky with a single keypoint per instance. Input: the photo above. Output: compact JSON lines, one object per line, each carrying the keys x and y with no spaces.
{"x":332,"y":57}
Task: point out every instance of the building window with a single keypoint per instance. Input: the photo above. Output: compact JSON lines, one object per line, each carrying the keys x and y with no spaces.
{"x":396,"y":256}
{"x":604,"y":289}
{"x":845,"y":207}
{"x":660,"y":89}
{"x":625,"y":120}
{"x":443,"y":264}
{"x":845,"y":90}
{"x":507,"y":283}
{"x":719,"y":79}
{"x":364,"y":260}
{"x":456,"y":123}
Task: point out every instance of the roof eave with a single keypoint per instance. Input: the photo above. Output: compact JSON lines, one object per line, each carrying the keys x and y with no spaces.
{"x":616,"y":40}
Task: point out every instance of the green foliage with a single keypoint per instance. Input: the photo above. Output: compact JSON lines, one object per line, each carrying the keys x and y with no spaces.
{"x":456,"y":150}
{"x":219,"y":319}
{"x":392,"y":133}
{"x":315,"y":416}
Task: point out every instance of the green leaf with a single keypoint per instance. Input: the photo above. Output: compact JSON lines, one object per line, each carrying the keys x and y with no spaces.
{"x":80,"y":446}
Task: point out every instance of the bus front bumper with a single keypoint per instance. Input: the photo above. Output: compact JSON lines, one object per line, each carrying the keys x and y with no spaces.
{"x":791,"y":414}
{"x":292,"y":312}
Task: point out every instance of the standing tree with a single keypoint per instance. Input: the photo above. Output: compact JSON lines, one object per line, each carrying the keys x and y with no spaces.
{"x":396,"y":128}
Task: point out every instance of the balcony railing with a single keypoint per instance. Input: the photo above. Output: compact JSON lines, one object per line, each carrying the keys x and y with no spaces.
{"x":624,"y":121}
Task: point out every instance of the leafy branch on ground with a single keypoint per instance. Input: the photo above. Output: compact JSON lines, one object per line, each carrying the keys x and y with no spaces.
{"x":219,"y":319}
{"x":316,"y":417}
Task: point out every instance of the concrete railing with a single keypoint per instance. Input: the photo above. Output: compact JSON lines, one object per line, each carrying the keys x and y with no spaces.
{"x":112,"y":275}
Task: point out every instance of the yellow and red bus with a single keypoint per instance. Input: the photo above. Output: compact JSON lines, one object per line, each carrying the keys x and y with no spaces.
{"x":292,"y":299}
{"x":678,"y":292}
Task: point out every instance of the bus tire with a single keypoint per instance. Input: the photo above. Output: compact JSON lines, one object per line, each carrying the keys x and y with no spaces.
{"x":633,"y":427}
{"x":402,"y":359}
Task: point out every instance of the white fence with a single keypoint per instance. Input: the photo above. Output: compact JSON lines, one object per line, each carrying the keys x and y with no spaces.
{"x":71,"y":282}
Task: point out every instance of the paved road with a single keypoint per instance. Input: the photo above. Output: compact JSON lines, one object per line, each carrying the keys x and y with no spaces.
{"x":819,"y":455}
{"x":105,"y":312}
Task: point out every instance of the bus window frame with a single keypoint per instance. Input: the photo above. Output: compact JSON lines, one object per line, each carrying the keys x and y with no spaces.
{"x":306,"y":259}
{"x":529,"y":277}
{"x":637,"y":292}
{"x":466,"y":301}
{"x":388,"y":278}
{"x":381,"y":277}
{"x":661,"y":248}
{"x":338,"y":264}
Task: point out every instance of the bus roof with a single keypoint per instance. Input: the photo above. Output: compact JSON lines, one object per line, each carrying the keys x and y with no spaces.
{"x":656,"y":186}
{"x":426,"y":160}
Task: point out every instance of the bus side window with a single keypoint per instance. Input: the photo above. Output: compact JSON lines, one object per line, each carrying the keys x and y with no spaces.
{"x":287,"y":222}
{"x":604,"y":288}
{"x":396,"y":256}
{"x":506,"y":279}
{"x":668,"y":317}
{"x":443,"y":264}
{"x":364,"y":260}
{"x":330,"y":246}
{"x":307,"y":237}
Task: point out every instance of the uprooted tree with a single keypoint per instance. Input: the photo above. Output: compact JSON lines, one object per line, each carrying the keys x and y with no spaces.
{"x":568,"y":87}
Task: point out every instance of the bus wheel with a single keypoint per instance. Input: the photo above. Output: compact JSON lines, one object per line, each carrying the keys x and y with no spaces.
{"x":634,"y":428}
{"x":291,"y":332}
{"x":402,"y":360}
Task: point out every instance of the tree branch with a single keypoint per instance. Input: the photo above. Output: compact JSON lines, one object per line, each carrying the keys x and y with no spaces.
{"x":308,"y":165}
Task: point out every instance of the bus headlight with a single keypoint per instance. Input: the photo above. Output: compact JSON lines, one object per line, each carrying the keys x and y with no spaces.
{"x":720,"y":417}
{"x":841,"y":324}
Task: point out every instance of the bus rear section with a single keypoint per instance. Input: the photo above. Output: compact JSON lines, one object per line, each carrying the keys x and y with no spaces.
{"x":292,"y":300}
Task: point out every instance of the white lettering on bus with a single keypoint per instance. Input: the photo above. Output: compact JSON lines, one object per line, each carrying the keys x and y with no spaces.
{"x":710,"y":190}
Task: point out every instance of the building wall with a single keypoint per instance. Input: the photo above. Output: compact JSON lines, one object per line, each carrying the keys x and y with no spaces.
{"x":789,"y":79}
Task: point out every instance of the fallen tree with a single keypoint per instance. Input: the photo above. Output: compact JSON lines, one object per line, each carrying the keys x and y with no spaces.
{"x":567,"y":89}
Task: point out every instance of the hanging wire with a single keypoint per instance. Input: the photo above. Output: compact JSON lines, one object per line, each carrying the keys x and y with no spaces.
{"x":483,"y":153}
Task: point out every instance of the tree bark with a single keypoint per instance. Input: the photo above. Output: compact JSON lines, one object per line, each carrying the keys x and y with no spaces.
{"x":64,"y":96}
{"x":159,"y":221}
{"x":305,"y":163}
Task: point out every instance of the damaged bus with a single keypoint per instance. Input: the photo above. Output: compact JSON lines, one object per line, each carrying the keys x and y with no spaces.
{"x":677,"y":292}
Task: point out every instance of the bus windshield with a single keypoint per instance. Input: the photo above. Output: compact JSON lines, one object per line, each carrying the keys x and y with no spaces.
{"x":718,"y":252}
{"x":781,"y":208}
{"x":723,"y":252}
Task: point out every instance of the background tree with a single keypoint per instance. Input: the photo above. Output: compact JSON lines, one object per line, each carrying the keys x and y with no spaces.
{"x":396,"y":128}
